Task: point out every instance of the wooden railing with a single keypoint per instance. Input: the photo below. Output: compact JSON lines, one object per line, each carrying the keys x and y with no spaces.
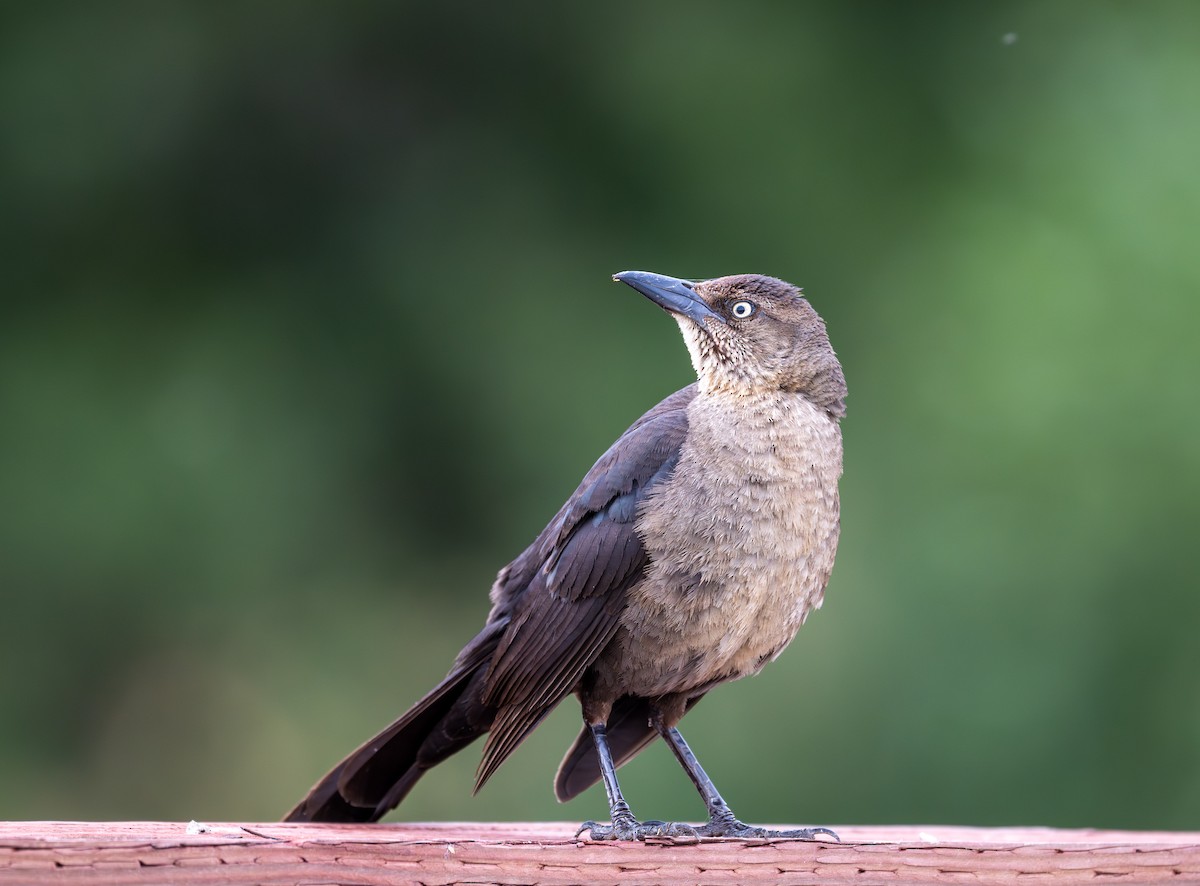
{"x":207,"y":853}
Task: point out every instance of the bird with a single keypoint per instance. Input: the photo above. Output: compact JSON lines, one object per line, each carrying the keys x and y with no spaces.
{"x":689,"y":556}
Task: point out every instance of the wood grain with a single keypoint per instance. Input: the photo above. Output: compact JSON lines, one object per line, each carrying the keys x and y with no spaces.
{"x":445,"y":853}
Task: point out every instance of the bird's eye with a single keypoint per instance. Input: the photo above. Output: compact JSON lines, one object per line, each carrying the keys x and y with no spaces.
{"x":742,"y":309}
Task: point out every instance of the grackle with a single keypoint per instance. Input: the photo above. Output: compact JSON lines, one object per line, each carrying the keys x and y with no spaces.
{"x":690,"y":555}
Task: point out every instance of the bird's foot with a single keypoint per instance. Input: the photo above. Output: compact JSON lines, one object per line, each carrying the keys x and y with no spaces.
{"x":626,"y":827}
{"x":728,"y":826}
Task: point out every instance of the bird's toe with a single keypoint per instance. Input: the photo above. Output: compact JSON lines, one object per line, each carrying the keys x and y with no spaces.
{"x":732,"y":828}
{"x":631,"y":830}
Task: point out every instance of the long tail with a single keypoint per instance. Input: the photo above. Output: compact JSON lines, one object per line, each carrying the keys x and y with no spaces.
{"x":376,"y":777}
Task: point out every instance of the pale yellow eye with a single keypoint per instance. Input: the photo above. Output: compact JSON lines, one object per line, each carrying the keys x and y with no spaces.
{"x":742,"y":309}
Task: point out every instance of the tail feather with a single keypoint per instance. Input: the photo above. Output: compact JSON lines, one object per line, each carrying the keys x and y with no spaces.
{"x":375,"y":778}
{"x":324,"y":803}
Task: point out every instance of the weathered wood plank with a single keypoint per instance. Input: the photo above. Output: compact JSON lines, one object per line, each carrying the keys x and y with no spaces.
{"x":167,"y":852}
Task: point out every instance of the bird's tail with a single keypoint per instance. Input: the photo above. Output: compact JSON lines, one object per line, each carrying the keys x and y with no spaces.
{"x":376,"y":777}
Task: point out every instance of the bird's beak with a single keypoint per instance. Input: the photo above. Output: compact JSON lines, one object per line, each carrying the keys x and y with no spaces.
{"x":671,"y":294}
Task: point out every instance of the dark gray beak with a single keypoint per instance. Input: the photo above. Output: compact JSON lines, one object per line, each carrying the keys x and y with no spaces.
{"x":671,"y":294}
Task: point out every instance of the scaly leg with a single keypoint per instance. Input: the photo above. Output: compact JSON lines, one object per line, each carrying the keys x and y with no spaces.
{"x":624,"y":826}
{"x":721,"y":820}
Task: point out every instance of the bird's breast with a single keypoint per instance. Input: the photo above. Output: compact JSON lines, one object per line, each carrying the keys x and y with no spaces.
{"x":741,"y":539}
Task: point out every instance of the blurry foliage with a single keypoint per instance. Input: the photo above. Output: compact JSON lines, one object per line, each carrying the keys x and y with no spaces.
{"x":307,"y":329}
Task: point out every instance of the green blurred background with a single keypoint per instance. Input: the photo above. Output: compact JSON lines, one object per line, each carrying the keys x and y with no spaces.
{"x":307,"y":329}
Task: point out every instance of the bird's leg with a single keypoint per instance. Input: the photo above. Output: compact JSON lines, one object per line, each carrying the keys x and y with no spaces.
{"x":721,"y":820}
{"x":623,"y":826}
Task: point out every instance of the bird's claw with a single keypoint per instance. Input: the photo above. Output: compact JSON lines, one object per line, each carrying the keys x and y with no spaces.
{"x":731,"y":827}
{"x":630,"y":828}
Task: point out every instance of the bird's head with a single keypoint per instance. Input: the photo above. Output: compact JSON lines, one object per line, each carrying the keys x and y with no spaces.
{"x":748,"y":334}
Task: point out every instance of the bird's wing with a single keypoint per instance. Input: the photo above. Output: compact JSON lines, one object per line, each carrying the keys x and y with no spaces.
{"x":567,"y":591}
